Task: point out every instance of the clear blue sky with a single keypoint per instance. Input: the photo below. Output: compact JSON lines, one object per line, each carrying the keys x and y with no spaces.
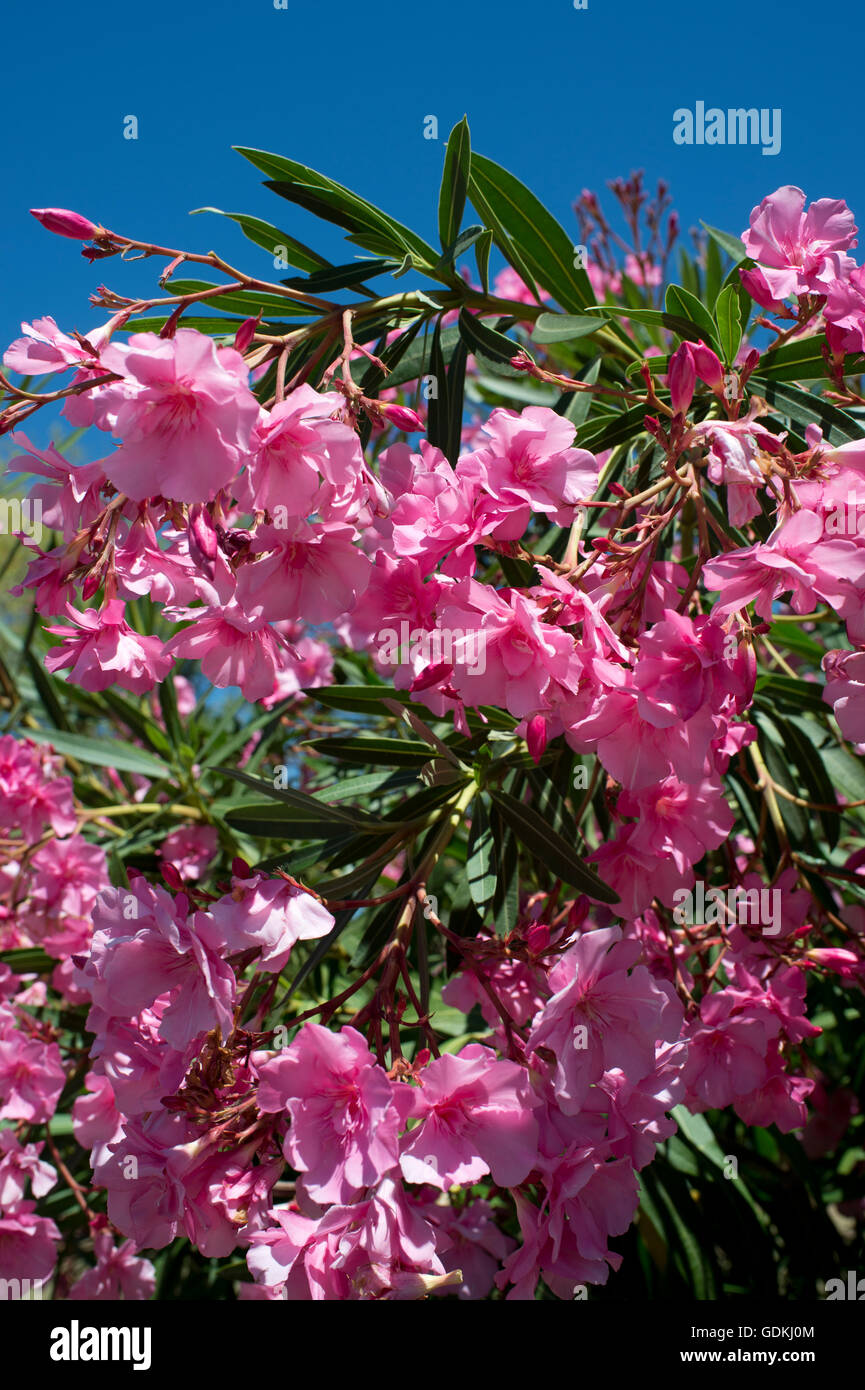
{"x":565,"y":98}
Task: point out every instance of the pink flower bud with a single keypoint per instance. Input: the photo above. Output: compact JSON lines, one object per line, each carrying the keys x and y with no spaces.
{"x":681,"y":378}
{"x":708,"y":366}
{"x":203,"y":542}
{"x":245,"y":333}
{"x":65,"y":223}
{"x":758,"y":288}
{"x":402,"y":417}
{"x":538,"y":937}
{"x":536,"y":736}
{"x":844,"y":963}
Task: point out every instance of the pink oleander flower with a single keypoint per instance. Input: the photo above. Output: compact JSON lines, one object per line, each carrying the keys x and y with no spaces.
{"x":67,"y":876}
{"x":139,"y":1066}
{"x":606,"y":1011}
{"x":44,"y":348}
{"x":28,"y":1243}
{"x":469,"y":1241}
{"x":144,"y":947}
{"x":476,"y":1118}
{"x":69,"y":497}
{"x":727,"y":1048}
{"x":639,"y":874}
{"x":145,"y":1194}
{"x":829,"y":1120}
{"x":566,"y":1239}
{"x":684,"y":666}
{"x":234,"y":648}
{"x":504,"y":653}
{"x":31,"y":1077}
{"x":32,"y":795}
{"x":20,"y":1163}
{"x":183,"y":413}
{"x":294,"y":449}
{"x":437,"y":514}
{"x":308,"y":665}
{"x":795,"y":558}
{"x":378,"y":1248}
{"x":779,"y":1100}
{"x":800,"y":252}
{"x":101,"y":650}
{"x":269,"y":913}
{"x":844,"y":313}
{"x":845,"y":691}
{"x":313,"y":572}
{"x":735,"y":451}
{"x":119,"y":1273}
{"x":345,"y":1113}
{"x":519,"y":986}
{"x":96,"y":1121}
{"x":677,"y":819}
{"x":190,"y":849}
{"x":529,"y":462}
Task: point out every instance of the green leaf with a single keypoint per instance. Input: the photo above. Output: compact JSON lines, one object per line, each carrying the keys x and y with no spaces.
{"x":358,"y":699}
{"x":272,"y":240}
{"x":798,"y":694}
{"x":682,"y":304}
{"x":438,"y":415}
{"x":698,"y":1132}
{"x":458,"y":247}
{"x":170,"y":714}
{"x":803,"y":408}
{"x":562,"y":328}
{"x":733,"y":245}
{"x":341,"y":277}
{"x":714,"y":273}
{"x":506,"y":900}
{"x":378,"y":932}
{"x":847,"y":772}
{"x":390,"y":752}
{"x":487,"y":342}
{"x":245,"y":302}
{"x":456,"y":390}
{"x":482,"y":258}
{"x":371,"y":226}
{"x":778,"y":763}
{"x":544,"y":247}
{"x":302,"y":801}
{"x":814,"y":776}
{"x":455,"y":183}
{"x":575,"y":405}
{"x":48,"y":689}
{"x":480,"y":862}
{"x":417,"y":360}
{"x":27,"y":960}
{"x":103,"y":752}
{"x":606,"y":434}
{"x":729,"y":320}
{"x":683,"y":327}
{"x":551,"y":849}
{"x":268,"y":820}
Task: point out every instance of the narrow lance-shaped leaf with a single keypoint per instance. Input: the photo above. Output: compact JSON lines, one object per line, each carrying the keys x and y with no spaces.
{"x":729,"y":320}
{"x":543,"y":244}
{"x":551,"y":849}
{"x":455,"y":183}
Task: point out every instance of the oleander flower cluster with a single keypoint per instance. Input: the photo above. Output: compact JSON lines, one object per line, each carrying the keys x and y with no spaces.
{"x":269,"y":538}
